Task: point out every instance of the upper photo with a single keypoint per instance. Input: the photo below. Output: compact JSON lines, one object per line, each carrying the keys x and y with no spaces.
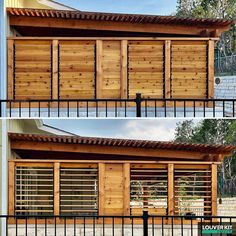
{"x":59,"y":60}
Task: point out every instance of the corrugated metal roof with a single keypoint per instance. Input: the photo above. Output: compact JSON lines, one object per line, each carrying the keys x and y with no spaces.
{"x":117,"y":17}
{"x":204,"y":148}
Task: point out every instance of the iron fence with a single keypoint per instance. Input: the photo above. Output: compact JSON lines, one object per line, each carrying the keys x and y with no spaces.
{"x":132,"y":107}
{"x":225,"y":65}
{"x":144,"y":225}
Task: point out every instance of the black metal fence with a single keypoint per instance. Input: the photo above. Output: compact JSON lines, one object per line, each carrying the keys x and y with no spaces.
{"x":136,"y":107}
{"x":145,"y":225}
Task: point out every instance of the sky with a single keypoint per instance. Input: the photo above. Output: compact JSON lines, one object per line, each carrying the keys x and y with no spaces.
{"x":149,"y":129}
{"x":154,"y":7}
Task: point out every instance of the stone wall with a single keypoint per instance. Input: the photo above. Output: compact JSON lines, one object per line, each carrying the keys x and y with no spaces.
{"x":227,"y":208}
{"x":226,"y":89}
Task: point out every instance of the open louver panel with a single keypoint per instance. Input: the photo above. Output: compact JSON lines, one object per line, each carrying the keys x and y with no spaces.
{"x":149,"y":190}
{"x":79,"y":190}
{"x":33,"y":190}
{"x":192,"y":192}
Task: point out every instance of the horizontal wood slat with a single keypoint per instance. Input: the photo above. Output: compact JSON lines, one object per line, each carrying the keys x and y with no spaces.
{"x":78,"y":196}
{"x":112,"y":68}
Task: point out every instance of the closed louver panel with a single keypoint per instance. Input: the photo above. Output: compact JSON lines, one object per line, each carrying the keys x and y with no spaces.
{"x":78,"y":190}
{"x":33,"y":190}
{"x":149,"y":190}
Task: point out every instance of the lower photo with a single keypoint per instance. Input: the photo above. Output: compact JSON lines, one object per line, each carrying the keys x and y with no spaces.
{"x":118,"y":177}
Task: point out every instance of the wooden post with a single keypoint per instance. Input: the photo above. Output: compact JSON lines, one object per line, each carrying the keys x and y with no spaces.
{"x":99,"y":72}
{"x":10,"y":68}
{"x":167,"y":68}
{"x":214,"y":190}
{"x":101,"y":182}
{"x":57,"y":188}
{"x":55,"y":85}
{"x":124,"y":67}
{"x":210,"y":69}
{"x":126,"y":172}
{"x":170,"y":189}
{"x":11,"y":188}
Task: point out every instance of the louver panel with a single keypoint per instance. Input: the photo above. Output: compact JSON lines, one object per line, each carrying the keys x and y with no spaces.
{"x":149,"y":190}
{"x":79,"y":190}
{"x":33,"y":190}
{"x":192,"y":192}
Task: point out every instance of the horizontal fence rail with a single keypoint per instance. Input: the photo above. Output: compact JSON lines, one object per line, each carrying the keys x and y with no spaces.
{"x":136,"y":107}
{"x":84,"y":225}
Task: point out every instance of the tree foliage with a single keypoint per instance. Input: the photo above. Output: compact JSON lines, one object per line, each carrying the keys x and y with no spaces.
{"x":223,"y":9}
{"x":213,"y":131}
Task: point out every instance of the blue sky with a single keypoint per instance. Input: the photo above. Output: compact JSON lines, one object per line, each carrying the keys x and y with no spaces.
{"x":150,"y":129}
{"x":155,"y":7}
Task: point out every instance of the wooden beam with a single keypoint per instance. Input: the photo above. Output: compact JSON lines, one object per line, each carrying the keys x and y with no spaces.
{"x":11,"y":188}
{"x":112,"y":26}
{"x":109,"y":150}
{"x":101,"y":182}
{"x":124,"y":68}
{"x":126,"y":175}
{"x":115,"y":38}
{"x":10,"y":68}
{"x":210,"y":69}
{"x":56,"y":188}
{"x":99,"y":70}
{"x":134,"y":163}
{"x":214,"y":190}
{"x":55,"y":59}
{"x":167,"y":68}
{"x":170,"y":189}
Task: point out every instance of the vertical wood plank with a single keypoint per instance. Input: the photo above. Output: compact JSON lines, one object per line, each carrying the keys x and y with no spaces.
{"x":210,"y":69}
{"x":99,"y":70}
{"x":124,"y":68}
{"x":56,"y":188}
{"x":167,"y":68}
{"x":214,"y":190}
{"x":126,"y":175}
{"x":11,"y":188}
{"x":101,"y":187}
{"x":55,"y":85}
{"x":10,"y":68}
{"x":170,"y":189}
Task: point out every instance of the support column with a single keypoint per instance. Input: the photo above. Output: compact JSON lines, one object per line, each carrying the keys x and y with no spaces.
{"x":170,"y":189}
{"x":56,"y":188}
{"x":214,"y":190}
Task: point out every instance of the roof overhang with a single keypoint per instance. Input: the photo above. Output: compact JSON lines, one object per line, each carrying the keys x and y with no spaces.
{"x":28,"y":20}
{"x":76,"y":147}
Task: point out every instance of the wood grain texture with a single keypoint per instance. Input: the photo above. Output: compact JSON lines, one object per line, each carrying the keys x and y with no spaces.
{"x":211,"y":69}
{"x":11,"y":188}
{"x":56,"y":188}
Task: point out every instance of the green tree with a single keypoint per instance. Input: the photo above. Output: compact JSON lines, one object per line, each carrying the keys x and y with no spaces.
{"x":223,"y":9}
{"x":212,"y":131}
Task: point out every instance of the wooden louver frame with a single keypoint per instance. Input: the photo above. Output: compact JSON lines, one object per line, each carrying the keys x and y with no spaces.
{"x":97,"y":70}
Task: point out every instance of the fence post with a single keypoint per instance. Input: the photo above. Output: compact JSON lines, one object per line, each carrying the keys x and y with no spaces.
{"x":145,"y":223}
{"x":138,"y":101}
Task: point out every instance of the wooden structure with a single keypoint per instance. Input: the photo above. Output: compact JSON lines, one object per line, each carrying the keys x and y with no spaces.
{"x":99,"y":176}
{"x":161,"y":57}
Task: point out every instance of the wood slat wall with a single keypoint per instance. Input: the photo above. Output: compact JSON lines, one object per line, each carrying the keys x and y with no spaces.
{"x":32,"y":69}
{"x":189,"y":69}
{"x":112,"y":68}
{"x":146,"y":68}
{"x":76,"y":69}
{"x":111,"y":188}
